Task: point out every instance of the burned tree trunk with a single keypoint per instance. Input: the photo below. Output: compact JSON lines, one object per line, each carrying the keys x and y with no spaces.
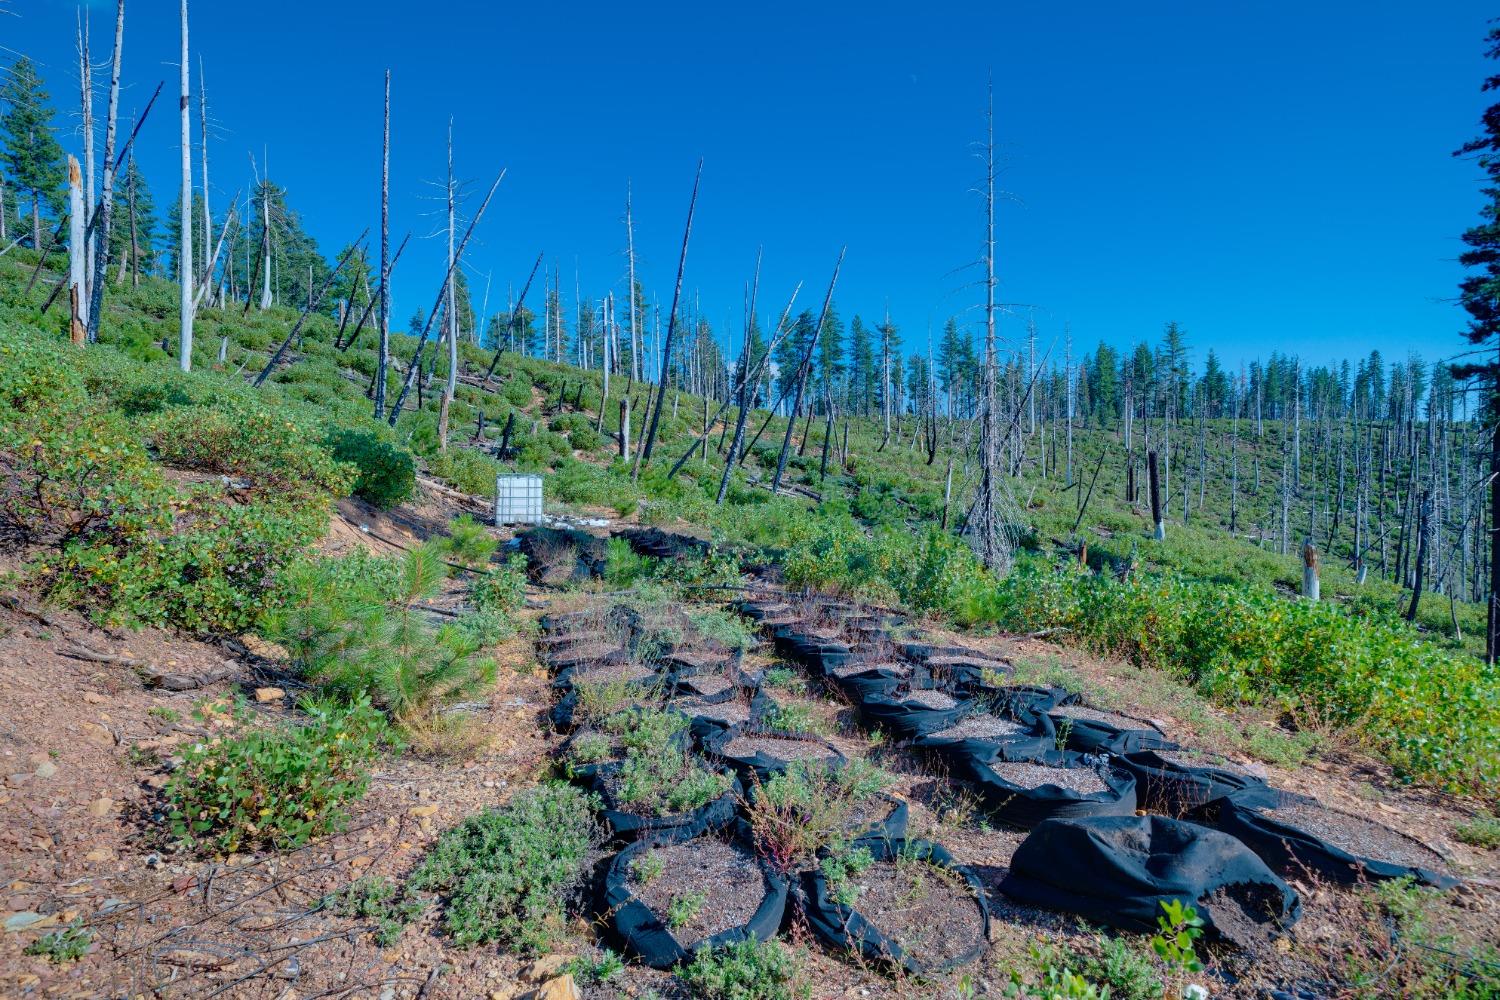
{"x":666,"y":350}
{"x":1153,"y":484}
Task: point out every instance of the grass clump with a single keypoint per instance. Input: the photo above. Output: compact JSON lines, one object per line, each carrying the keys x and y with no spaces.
{"x":746,"y":970}
{"x":506,"y":873}
{"x":595,"y":970}
{"x":724,"y":627}
{"x":274,"y":787}
{"x":1483,"y":830}
{"x":683,"y":909}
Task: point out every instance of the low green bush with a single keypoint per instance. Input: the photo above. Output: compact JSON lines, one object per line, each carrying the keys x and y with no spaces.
{"x":746,"y":970}
{"x":506,"y":873}
{"x":387,"y":475}
{"x":274,"y":787}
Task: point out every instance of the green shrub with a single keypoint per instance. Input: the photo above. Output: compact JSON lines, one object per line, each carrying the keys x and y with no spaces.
{"x":494,"y":599}
{"x":66,"y":944}
{"x":387,"y":475}
{"x":468,"y":542}
{"x":506,"y":873}
{"x":1481,"y":831}
{"x":468,"y":471}
{"x":659,"y":774}
{"x":377,"y":899}
{"x":250,"y":438}
{"x":1125,"y":970}
{"x":746,"y":970}
{"x":274,"y":787}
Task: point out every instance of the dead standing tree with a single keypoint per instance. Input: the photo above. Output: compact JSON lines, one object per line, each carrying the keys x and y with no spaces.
{"x":185,"y":268}
{"x":415,"y":367}
{"x":104,"y":213}
{"x":803,"y":370}
{"x":384,"y":351}
{"x":644,"y":455}
{"x":984,"y":518}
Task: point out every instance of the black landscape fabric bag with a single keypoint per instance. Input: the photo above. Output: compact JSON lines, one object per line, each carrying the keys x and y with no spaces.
{"x":1095,"y":736}
{"x":645,"y":934}
{"x":1181,"y":790}
{"x":1292,"y":851}
{"x":845,"y":927}
{"x":1023,"y":807}
{"x":904,"y":719}
{"x":1118,"y":870}
{"x":713,"y":815}
{"x":813,"y":652}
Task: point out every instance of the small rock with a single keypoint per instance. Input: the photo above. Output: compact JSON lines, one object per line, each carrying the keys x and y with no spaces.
{"x":269,"y":694}
{"x":101,"y":806}
{"x":98,"y":734}
{"x":422,"y":812}
{"x":561,"y":988}
{"x":100,"y":854}
{"x":94,"y":698}
{"x":546,"y":967}
{"x":46,"y":769}
{"x":22,"y":920}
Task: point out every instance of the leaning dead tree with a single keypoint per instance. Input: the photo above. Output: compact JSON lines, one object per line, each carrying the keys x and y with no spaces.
{"x":415,"y":367}
{"x":511,"y":321}
{"x":644,"y":455}
{"x":803,"y":370}
{"x":314,"y":299}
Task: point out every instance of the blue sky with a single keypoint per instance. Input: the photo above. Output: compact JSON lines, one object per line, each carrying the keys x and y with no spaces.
{"x":1273,"y":176}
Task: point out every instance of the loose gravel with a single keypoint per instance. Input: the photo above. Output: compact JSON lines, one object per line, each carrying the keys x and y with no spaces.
{"x":1357,"y":835}
{"x":983,"y":727}
{"x":932,"y":699}
{"x":1083,"y":780}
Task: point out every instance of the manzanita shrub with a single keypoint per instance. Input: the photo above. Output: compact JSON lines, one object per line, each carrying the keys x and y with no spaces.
{"x":148,"y":498}
{"x":273,"y":787}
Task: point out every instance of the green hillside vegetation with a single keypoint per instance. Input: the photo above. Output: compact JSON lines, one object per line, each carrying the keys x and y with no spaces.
{"x":153,"y":496}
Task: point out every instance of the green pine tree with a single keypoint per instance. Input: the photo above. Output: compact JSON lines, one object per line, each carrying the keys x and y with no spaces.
{"x":32,"y":157}
{"x":133,"y":190}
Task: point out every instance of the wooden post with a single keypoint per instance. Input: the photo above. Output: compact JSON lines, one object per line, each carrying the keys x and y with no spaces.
{"x":1154,"y":485}
{"x":1310,"y":585}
